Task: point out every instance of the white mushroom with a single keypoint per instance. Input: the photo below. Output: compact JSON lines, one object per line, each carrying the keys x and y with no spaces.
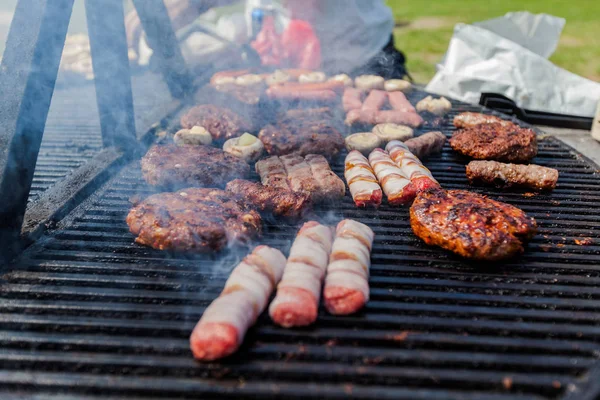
{"x":395,"y":85}
{"x":278,"y":76}
{"x":246,"y":147}
{"x":312,"y":77}
{"x":348,"y":82}
{"x":364,"y":142}
{"x":195,"y":136}
{"x":369,"y":82}
{"x":388,"y":132}
{"x":223,"y":80}
{"x":248,"y":80}
{"x":439,"y":107}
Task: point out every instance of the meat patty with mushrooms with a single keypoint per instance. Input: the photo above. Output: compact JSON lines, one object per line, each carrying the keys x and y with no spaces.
{"x":195,"y":220}
{"x":222,"y":123}
{"x":470,"y":225}
{"x":173,"y":166}
{"x":496,"y":142}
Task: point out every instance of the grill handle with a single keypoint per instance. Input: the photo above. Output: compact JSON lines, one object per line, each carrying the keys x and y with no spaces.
{"x":505,"y":105}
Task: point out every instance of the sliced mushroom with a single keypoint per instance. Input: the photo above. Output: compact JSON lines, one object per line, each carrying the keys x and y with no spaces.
{"x":246,"y":147}
{"x":195,"y":136}
{"x":312,"y":77}
{"x":248,"y":80}
{"x":389,"y":131}
{"x":364,"y":142}
{"x":369,"y":82}
{"x":278,"y":76}
{"x":397,"y":85}
{"x":348,"y":82}
{"x":439,"y":107}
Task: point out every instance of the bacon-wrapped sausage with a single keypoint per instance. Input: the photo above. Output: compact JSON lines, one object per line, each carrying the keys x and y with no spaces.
{"x":347,"y":279}
{"x":411,"y":166}
{"x":272,"y":173}
{"x":363,"y":184}
{"x":226,"y":320}
{"x":299,"y":291}
{"x":395,"y":183}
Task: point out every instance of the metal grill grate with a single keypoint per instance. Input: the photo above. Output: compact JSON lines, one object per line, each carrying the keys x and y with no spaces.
{"x":86,"y":313}
{"x":72,"y":135}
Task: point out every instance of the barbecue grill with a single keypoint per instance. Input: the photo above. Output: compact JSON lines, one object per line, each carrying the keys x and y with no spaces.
{"x":87,"y":314}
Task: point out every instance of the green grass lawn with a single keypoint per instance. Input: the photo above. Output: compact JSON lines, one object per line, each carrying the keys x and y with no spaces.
{"x":424,"y":29}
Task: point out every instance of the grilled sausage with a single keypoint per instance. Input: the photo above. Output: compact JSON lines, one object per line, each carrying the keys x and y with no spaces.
{"x":399,"y":102}
{"x":506,"y":175}
{"x":347,"y":280}
{"x":411,"y":119}
{"x":375,"y":100}
{"x":427,"y":144}
{"x":226,"y":320}
{"x":352,"y":99}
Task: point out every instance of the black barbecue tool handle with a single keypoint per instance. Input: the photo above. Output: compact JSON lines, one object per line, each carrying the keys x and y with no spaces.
{"x":505,"y":105}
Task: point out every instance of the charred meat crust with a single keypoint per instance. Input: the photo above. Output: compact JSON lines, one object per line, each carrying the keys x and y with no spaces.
{"x":470,"y":225}
{"x":303,"y":132}
{"x":284,"y":203}
{"x":496,"y":141}
{"x":220,"y":122}
{"x":173,"y":166}
{"x":194,"y":220}
{"x":508,"y":175}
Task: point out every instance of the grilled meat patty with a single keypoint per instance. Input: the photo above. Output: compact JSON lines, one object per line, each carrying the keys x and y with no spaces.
{"x":302,"y":136}
{"x":284,"y":203}
{"x":472,"y":119}
{"x":496,"y":141}
{"x":507,"y":175}
{"x":222,"y":123}
{"x":470,"y":225}
{"x":173,"y":166}
{"x":195,"y":220}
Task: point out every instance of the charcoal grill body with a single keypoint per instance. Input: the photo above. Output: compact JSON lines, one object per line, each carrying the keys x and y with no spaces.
{"x":87,"y":313}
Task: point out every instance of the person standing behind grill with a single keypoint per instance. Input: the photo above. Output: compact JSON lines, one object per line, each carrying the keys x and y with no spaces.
{"x":355,"y":35}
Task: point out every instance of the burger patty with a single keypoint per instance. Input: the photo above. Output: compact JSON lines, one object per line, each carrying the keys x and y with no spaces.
{"x":196,"y":220}
{"x":306,"y":135}
{"x":470,"y":225}
{"x":173,"y":166}
{"x":221,"y":123}
{"x":496,"y":141}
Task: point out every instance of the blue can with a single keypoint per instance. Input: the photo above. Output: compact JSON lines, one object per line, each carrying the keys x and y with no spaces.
{"x":258,"y":16}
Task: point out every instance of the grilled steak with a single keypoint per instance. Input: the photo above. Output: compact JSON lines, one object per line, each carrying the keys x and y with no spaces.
{"x":173,"y":166}
{"x":470,"y":225}
{"x":302,"y":136}
{"x":284,"y":203}
{"x":472,"y":119}
{"x":507,"y":175}
{"x":222,"y":123}
{"x":496,"y":141}
{"x":196,"y":220}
